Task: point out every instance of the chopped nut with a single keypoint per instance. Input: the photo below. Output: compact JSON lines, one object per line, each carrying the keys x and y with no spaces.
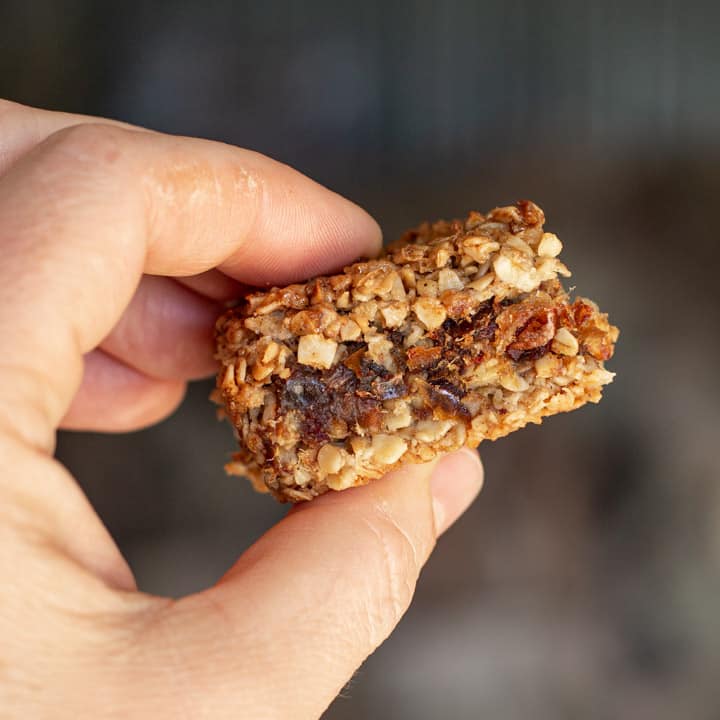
{"x":426,"y":287}
{"x":377,"y":283}
{"x":401,"y":417}
{"x":408,"y":278}
{"x":314,"y":320}
{"x":482,"y":283}
{"x":316,"y":351}
{"x":601,"y":376}
{"x":379,"y":348}
{"x":387,"y":449}
{"x":271,"y":352}
{"x":397,"y":291}
{"x":349,"y":330}
{"x":341,"y":481}
{"x":330,"y":459}
{"x":547,"y":268}
{"x":440,"y":257}
{"x":550,"y":245}
{"x":460,"y":434}
{"x":449,"y":280}
{"x":432,"y":430}
{"x":564,"y":343}
{"x":364,"y":314}
{"x":479,"y":248}
{"x":512,"y":271}
{"x":261,"y":372}
{"x":302,"y":476}
{"x":519,"y":244}
{"x":429,"y":312}
{"x":394,"y":314}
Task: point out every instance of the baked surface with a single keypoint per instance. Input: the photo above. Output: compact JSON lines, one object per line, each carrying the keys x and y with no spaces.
{"x":460,"y":332}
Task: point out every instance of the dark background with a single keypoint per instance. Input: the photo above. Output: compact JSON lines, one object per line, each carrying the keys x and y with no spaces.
{"x":585,"y":581}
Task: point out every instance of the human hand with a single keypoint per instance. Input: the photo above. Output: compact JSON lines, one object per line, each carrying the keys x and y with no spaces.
{"x":116,"y":247}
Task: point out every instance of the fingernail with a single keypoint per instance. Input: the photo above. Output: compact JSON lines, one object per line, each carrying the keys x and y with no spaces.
{"x":454,"y":484}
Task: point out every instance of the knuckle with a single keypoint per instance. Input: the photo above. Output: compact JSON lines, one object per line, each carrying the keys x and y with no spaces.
{"x":93,"y":144}
{"x":12,"y":116}
{"x":8,"y":108}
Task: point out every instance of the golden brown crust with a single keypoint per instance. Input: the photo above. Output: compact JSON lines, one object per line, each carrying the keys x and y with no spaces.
{"x":459,"y":332}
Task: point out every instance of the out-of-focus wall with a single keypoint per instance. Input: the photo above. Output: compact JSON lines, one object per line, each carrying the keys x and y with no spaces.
{"x":584,"y":582}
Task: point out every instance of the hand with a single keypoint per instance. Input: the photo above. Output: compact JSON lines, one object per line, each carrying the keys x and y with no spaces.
{"x":116,"y":246}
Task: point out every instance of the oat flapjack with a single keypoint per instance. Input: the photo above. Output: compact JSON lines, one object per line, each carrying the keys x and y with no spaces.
{"x":459,"y":332}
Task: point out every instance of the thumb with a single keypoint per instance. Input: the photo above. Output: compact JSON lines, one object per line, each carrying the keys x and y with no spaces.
{"x":287,"y":627}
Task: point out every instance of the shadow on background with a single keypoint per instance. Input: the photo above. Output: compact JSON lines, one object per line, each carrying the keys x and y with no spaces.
{"x":584,"y":582}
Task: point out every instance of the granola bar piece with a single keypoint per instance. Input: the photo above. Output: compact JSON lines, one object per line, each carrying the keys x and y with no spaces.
{"x":460,"y":332}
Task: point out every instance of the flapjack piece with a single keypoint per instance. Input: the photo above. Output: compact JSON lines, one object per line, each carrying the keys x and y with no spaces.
{"x":460,"y":332}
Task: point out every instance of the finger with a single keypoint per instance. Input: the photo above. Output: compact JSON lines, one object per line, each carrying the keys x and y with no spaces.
{"x":114,"y":397}
{"x":214,"y":285}
{"x":165,"y":332}
{"x":86,"y":212}
{"x":23,"y":127}
{"x":455,"y":487}
{"x":313,"y":597}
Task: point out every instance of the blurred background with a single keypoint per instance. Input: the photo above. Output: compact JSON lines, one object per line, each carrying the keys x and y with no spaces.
{"x":585,"y":581}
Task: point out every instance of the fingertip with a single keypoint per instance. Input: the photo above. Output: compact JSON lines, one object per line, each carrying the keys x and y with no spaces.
{"x":455,"y":482}
{"x":301,"y":230}
{"x":364,"y":232}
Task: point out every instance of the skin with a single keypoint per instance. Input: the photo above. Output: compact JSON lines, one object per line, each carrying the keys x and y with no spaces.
{"x":117,"y":246}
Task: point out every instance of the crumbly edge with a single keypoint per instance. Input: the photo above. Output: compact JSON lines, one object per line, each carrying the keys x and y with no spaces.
{"x":459,"y":332}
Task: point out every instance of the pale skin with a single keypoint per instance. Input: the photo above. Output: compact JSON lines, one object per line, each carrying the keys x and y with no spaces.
{"x":117,"y":246}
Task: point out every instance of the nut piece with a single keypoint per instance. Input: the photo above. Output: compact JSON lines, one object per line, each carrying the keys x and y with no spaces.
{"x":401,"y":417}
{"x":479,"y":248}
{"x":564,"y":343}
{"x":330,"y":459}
{"x":550,"y":245}
{"x":342,"y":480}
{"x":316,"y":351}
{"x":349,"y":330}
{"x":271,"y":352}
{"x":432,"y":430}
{"x":430,"y":312}
{"x":394,"y":314}
{"x":515,"y":274}
{"x":449,"y":280}
{"x":387,"y":449}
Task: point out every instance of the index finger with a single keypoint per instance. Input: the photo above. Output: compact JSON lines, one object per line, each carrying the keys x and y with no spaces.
{"x":90,"y":209}
{"x":23,"y":127}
